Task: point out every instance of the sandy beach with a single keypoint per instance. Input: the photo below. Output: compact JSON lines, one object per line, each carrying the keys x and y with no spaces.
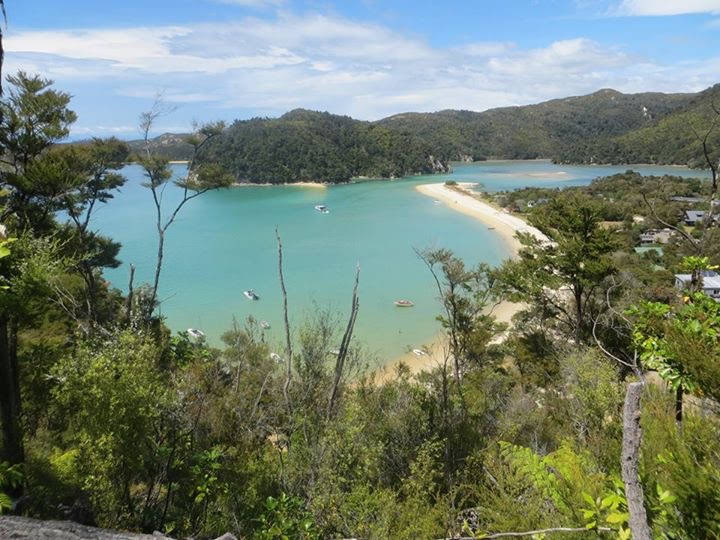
{"x":319,"y":185}
{"x":504,"y":224}
{"x":436,"y":350}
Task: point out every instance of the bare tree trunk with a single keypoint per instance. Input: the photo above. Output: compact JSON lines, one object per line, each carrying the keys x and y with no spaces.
{"x":632,"y":438}
{"x":344,"y":345}
{"x":679,"y":405}
{"x":131,"y":292}
{"x":158,"y":269}
{"x":288,"y":344}
{"x":13,"y":450}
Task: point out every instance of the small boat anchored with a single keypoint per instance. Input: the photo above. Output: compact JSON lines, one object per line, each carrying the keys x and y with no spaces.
{"x":264,"y":325}
{"x":195,"y":333}
{"x":322,"y":209}
{"x":419,"y":352}
{"x":404,"y":303}
{"x":251,"y":295}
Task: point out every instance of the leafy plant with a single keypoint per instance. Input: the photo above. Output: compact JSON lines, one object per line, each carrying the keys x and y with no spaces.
{"x":11,"y":477}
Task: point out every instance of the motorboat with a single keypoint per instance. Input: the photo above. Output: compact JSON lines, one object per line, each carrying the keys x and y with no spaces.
{"x":276,"y":357}
{"x":250,"y":295}
{"x":419,"y":352}
{"x":404,"y":303}
{"x":264,"y":325}
{"x":322,"y":209}
{"x":195,"y":333}
{"x":335,"y":352}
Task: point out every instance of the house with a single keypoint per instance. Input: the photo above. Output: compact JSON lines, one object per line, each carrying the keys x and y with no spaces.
{"x":537,"y":202}
{"x":656,"y":236}
{"x":693,"y":200}
{"x":693,"y":217}
{"x":687,"y":200}
{"x":710,"y":283}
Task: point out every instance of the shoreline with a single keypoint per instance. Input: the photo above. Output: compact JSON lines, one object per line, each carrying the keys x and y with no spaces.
{"x":501,"y":222}
{"x":319,"y":185}
{"x":505,"y":225}
{"x":436,"y":349}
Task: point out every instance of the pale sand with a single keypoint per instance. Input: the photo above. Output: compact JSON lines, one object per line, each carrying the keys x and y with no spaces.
{"x":504,"y":224}
{"x":437,"y":350}
{"x":299,"y":184}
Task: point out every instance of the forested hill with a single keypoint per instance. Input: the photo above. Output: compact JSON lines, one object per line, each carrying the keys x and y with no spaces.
{"x":606,"y":126}
{"x":670,"y":139}
{"x":313,"y":146}
{"x":174,"y":146}
{"x":536,"y":131}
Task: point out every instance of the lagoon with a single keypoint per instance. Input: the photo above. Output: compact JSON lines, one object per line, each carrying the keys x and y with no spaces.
{"x":224,"y":242}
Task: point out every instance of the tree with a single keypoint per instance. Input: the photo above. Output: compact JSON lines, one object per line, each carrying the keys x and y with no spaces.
{"x":561,"y":277}
{"x":465,"y":295}
{"x":26,"y":275}
{"x":95,"y":165}
{"x":200,"y":178}
{"x":33,"y":118}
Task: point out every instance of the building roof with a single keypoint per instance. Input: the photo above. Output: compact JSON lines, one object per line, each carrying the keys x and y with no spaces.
{"x":711,"y":280}
{"x":694,"y":215}
{"x":687,"y":199}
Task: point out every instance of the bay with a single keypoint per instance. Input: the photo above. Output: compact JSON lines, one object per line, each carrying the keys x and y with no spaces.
{"x":224,"y":242}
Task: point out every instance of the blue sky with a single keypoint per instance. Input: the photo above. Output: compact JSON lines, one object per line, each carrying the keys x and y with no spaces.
{"x":227,"y":59}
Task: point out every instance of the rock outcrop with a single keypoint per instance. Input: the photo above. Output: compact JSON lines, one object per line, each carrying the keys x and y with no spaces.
{"x":22,"y":527}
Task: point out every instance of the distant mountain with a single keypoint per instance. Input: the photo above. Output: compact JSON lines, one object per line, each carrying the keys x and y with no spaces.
{"x":604,"y":127}
{"x":170,"y":145}
{"x":537,"y":131}
{"x":669,"y":139}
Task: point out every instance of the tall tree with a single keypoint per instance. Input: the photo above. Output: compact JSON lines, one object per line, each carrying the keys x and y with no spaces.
{"x":200,"y":178}
{"x":561,"y":277}
{"x":34,"y":118}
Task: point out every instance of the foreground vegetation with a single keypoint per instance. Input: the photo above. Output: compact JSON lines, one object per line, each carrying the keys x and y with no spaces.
{"x":110,"y":419}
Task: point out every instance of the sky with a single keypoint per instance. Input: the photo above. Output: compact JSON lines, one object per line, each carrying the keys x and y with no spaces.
{"x":236,"y":59}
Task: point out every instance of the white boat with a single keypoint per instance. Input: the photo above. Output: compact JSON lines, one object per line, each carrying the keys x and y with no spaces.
{"x":264,"y":325}
{"x":195,"y":333}
{"x":275,"y":357}
{"x":322,"y":209}
{"x":250,"y":295}
{"x":419,"y":352}
{"x":335,"y":352}
{"x":404,"y":303}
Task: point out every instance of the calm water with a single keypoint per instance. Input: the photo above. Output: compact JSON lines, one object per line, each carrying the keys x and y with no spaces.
{"x":224,"y":242}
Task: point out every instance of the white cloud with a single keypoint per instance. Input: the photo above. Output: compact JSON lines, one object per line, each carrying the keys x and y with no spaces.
{"x":253,"y":3}
{"x":267,"y":66}
{"x":668,"y":7}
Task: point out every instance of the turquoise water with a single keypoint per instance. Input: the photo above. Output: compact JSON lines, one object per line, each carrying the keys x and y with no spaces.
{"x":224,"y":242}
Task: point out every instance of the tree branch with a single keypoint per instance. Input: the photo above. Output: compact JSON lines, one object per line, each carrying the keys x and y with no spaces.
{"x":288,"y":343}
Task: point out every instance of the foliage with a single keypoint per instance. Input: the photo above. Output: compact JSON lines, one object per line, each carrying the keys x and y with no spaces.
{"x":11,"y":476}
{"x":563,"y":275}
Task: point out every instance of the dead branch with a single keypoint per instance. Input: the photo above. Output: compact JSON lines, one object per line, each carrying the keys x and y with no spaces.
{"x":682,"y":233}
{"x":530,"y":533}
{"x":288,"y":344}
{"x":632,"y":438}
{"x":344,"y":345}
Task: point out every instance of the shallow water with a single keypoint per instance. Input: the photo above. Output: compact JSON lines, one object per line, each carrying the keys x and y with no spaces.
{"x":224,"y":242}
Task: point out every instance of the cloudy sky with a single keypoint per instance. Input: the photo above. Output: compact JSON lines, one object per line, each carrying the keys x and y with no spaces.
{"x":227,"y":59}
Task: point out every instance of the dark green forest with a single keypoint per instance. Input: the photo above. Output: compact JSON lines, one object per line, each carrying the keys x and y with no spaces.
{"x":604,"y":127}
{"x":594,"y":415}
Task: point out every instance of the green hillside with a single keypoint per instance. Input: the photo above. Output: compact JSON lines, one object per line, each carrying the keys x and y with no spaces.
{"x":312,"y":146}
{"x":604,"y":127}
{"x":668,"y":140}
